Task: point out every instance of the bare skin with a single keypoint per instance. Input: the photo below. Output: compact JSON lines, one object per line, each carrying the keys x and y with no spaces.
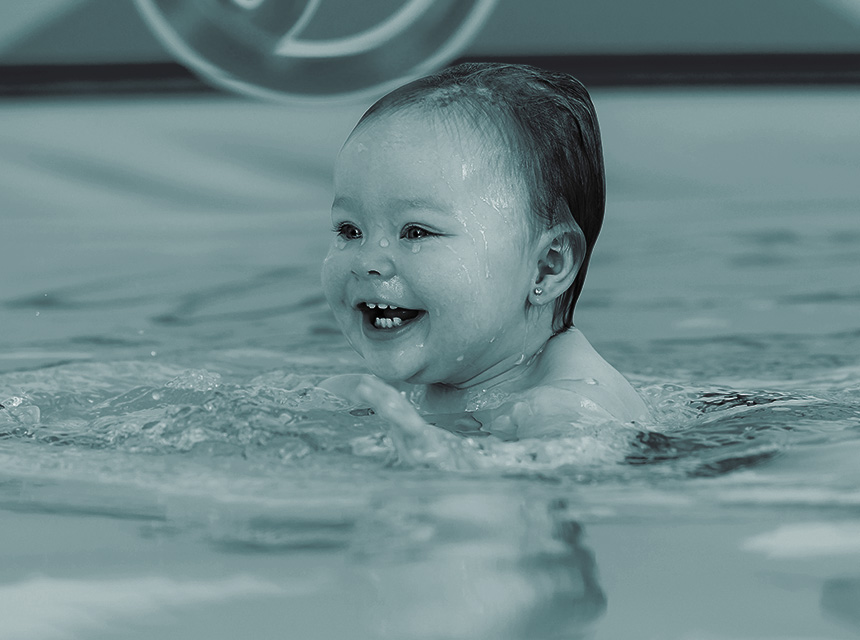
{"x":565,"y":385}
{"x":425,"y":226}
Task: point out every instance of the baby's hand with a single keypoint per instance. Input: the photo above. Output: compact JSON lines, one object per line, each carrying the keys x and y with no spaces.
{"x":416,"y":442}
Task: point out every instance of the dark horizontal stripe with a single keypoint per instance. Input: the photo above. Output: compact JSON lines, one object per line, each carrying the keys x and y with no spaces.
{"x":593,"y":70}
{"x":85,"y":79}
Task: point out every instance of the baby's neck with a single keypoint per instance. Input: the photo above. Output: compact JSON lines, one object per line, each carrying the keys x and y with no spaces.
{"x":509,"y":374}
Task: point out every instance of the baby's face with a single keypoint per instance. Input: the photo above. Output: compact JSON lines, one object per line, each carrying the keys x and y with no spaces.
{"x":431,"y":264}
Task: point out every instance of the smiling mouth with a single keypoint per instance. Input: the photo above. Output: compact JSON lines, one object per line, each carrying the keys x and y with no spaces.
{"x":386,"y":317}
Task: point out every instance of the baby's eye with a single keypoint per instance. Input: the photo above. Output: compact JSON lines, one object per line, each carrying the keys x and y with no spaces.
{"x":414,"y":232}
{"x":347,"y":231}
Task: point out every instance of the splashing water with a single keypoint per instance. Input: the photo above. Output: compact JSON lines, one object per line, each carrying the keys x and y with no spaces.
{"x":220,"y":474}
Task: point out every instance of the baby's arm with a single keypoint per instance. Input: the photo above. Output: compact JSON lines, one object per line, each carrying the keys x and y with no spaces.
{"x":416,"y":442}
{"x":545,"y":412}
{"x":549,"y":411}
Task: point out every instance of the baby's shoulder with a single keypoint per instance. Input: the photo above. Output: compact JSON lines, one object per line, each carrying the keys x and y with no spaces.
{"x":576,"y":384}
{"x":544,"y":411}
{"x":570,"y":356}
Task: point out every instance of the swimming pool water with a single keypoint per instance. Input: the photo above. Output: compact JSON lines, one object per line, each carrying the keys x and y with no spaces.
{"x":167,"y":467}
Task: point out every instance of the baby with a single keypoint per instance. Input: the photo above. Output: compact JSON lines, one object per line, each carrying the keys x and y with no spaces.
{"x":466,"y":207}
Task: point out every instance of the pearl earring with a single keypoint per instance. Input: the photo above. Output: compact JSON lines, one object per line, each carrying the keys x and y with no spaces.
{"x":538,"y":291}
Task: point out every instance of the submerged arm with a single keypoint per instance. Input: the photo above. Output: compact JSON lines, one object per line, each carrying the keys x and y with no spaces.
{"x":557,"y":417}
{"x":416,"y":442}
{"x":550,"y":411}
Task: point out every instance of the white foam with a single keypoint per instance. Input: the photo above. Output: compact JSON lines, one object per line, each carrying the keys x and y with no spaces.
{"x":55,"y":609}
{"x":807,"y":540}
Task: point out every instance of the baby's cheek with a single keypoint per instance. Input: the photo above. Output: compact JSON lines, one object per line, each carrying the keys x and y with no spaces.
{"x":337,"y":257}
{"x":331,"y":276}
{"x":458,"y":271}
{"x":326,"y":271}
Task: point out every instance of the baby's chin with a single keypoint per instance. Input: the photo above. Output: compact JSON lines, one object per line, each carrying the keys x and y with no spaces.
{"x":396,"y":377}
{"x":402,"y":369}
{"x":412,"y":363}
{"x":396,"y":374}
{"x":392,"y":370}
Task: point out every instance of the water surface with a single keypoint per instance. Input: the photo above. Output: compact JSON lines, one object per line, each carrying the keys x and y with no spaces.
{"x":167,"y":466}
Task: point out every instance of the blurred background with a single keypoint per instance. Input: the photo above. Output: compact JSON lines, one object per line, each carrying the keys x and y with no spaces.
{"x":727,"y":127}
{"x":161,"y":325}
{"x":93,"y":44}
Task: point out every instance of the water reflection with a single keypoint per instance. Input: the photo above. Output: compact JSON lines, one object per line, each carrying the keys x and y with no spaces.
{"x":410,"y":557}
{"x":480,"y":566}
{"x":575,"y":598}
{"x":459,"y":565}
{"x":840,"y":599}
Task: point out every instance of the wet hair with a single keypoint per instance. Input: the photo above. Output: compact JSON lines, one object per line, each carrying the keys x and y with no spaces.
{"x":549,"y":121}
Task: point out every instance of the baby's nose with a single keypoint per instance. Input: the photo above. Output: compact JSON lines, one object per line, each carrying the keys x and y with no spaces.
{"x":375,"y":260}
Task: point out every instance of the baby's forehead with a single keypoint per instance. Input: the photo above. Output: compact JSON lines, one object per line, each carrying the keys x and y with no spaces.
{"x":426,"y":151}
{"x":472,"y":127}
{"x":475,"y":140}
{"x":448,"y":149}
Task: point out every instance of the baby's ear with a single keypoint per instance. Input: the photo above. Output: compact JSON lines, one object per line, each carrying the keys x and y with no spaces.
{"x":562,"y":252}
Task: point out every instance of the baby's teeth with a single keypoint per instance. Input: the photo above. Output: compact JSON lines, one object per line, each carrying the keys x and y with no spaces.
{"x":387,"y":323}
{"x":382,"y":306}
{"x":371,"y":305}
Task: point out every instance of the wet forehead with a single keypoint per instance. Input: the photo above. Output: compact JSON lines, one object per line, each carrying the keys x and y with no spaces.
{"x":423,"y":160}
{"x":349,"y":203}
{"x":423,"y":136}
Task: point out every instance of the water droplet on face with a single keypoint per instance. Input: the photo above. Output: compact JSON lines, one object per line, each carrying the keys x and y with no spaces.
{"x":383,"y":243}
{"x":156,"y":396}
{"x":340,"y":243}
{"x":416,"y":248}
{"x":459,"y":358}
{"x":486,"y":252}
